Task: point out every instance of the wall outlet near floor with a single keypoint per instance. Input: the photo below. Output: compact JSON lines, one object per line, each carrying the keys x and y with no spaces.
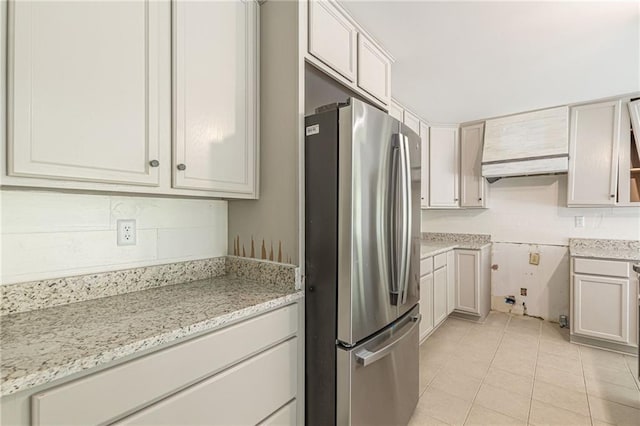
{"x":126,"y":232}
{"x":579,"y":221}
{"x":534,"y":258}
{"x":523,"y":291}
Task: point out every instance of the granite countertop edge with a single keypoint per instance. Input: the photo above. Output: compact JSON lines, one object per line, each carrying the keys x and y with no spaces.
{"x":42,"y":377}
{"x":628,"y":255}
{"x":438,"y":247}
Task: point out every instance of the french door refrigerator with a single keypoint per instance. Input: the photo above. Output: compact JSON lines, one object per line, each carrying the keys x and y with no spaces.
{"x":362,"y":233}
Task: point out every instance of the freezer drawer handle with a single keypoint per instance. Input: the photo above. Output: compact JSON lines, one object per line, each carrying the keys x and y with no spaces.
{"x":365,"y":357}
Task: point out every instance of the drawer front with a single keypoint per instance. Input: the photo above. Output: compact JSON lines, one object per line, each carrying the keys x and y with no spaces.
{"x":611,"y":268}
{"x":426,"y":266}
{"x":284,"y":416}
{"x":98,"y":398}
{"x":440,"y":260}
{"x":243,"y":395}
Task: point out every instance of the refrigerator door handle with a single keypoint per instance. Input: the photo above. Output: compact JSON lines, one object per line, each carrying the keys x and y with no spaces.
{"x":394,"y":215}
{"x":405,"y":250}
{"x":366,"y":357}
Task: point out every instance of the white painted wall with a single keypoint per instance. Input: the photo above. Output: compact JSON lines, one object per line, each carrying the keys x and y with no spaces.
{"x":529,"y":214}
{"x":50,"y":235}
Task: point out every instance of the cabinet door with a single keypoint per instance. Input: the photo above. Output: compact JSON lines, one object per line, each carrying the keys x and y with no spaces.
{"x":374,"y":70}
{"x":426,"y":305}
{"x":467,"y":280}
{"x":439,"y":295}
{"x":84,"y":92}
{"x":424,"y":150}
{"x":444,"y":166}
{"x":215,"y":96}
{"x":332,"y":38}
{"x":472,"y":184}
{"x":451,"y":281}
{"x":593,"y":156}
{"x":601,"y":307}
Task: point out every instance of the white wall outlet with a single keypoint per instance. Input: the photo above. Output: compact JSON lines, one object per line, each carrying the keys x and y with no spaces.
{"x":579,"y":221}
{"x":126,"y":232}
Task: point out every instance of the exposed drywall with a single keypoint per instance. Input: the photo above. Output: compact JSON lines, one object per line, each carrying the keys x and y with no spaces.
{"x":531,"y":212}
{"x":462,"y":61}
{"x":50,"y":235}
{"x":274,"y":217}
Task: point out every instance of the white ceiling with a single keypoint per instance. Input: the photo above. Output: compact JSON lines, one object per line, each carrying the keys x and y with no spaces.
{"x":461,"y":61}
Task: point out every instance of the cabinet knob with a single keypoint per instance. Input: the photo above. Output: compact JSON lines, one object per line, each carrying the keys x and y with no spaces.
{"x":479,"y":199}
{"x":182,"y":167}
{"x":455,"y":199}
{"x":154,"y":163}
{"x":613,"y":196}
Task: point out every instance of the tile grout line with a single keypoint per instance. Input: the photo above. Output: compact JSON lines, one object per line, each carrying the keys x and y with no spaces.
{"x":584,"y":380}
{"x":535,"y":370}
{"x":504,"y":329}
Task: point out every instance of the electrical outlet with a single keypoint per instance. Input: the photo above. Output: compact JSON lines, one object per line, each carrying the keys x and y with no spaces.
{"x":534,"y":258}
{"x":579,"y":221}
{"x":126,"y":232}
{"x":523,"y":292}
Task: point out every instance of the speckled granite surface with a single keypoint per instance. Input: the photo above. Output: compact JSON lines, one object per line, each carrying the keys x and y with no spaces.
{"x":43,"y":294}
{"x":433,"y":243}
{"x":47,"y":344}
{"x":606,"y":249}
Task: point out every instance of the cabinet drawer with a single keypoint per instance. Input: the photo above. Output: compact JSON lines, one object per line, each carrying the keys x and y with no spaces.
{"x":426,"y":266}
{"x":440,"y":260}
{"x":98,"y":398}
{"x":610,"y":268}
{"x":284,"y":416}
{"x":242,"y":395}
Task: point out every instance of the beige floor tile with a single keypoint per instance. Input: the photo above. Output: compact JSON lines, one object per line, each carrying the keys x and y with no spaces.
{"x":560,"y":378}
{"x":523,"y":341}
{"x":600,"y":423}
{"x":617,"y":377}
{"x":503,"y":401}
{"x":439,"y":343}
{"x":524,"y":323}
{"x":444,"y":407}
{"x":568,"y":365}
{"x":545,"y":414}
{"x":519,"y":384}
{"x":561,"y":397}
{"x":516,"y":363}
{"x":602,"y":358}
{"x":520,"y":352}
{"x":523,"y":331}
{"x":612,"y":412}
{"x":610,"y":392}
{"x":565,"y":349}
{"x":483,"y":416}
{"x":427,"y":374}
{"x":496,"y":319}
{"x":456,"y":383}
{"x":473,"y":367}
{"x":552,"y":331}
{"x":450,"y":333}
{"x":632,"y":363}
{"x":421,"y":419}
{"x":458,"y":323}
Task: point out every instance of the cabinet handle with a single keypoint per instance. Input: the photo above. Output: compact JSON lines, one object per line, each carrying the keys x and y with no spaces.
{"x":479,"y":199}
{"x":182,"y":167}
{"x":455,"y":199}
{"x":154,"y":163}
{"x":613,"y":196}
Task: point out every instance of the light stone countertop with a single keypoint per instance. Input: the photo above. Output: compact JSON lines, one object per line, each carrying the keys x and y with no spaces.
{"x":47,"y":344}
{"x":431,"y":248}
{"x":605,"y":249}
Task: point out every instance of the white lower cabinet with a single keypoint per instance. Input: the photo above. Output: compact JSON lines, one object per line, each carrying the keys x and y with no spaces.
{"x":451,"y":281}
{"x":473,"y":282}
{"x":604,"y":305}
{"x":426,"y":304}
{"x":242,"y":374}
{"x":440,"y":295}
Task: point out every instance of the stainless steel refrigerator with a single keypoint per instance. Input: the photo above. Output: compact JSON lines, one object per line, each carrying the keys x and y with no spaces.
{"x":362,"y":233}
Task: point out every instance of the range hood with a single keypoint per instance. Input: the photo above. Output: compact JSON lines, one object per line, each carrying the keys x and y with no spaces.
{"x":535,"y":143}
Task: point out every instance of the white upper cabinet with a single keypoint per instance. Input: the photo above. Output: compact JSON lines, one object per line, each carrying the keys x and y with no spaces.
{"x":332,"y":38}
{"x":472,"y":184}
{"x":374,"y":70}
{"x":83,"y":92}
{"x":396,"y":111}
{"x":215,"y":96}
{"x":593,"y":155}
{"x":424,"y":151}
{"x":444,"y":167}
{"x":412,"y":121}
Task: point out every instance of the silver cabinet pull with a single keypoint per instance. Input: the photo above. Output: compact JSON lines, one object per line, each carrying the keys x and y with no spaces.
{"x":154,"y":163}
{"x":182,"y":167}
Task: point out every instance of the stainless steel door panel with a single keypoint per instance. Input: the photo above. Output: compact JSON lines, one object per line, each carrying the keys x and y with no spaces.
{"x":364,"y":195}
{"x":413,"y":290}
{"x":378,"y":380}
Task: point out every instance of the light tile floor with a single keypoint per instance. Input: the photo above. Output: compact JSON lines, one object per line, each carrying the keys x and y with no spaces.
{"x":515,"y":370}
